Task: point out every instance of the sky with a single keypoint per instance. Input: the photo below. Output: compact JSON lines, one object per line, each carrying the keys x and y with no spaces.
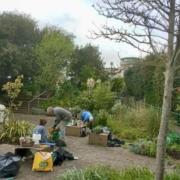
{"x":75,"y":16}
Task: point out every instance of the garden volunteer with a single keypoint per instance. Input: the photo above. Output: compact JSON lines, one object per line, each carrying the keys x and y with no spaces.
{"x":61,"y":114}
{"x":87,"y":118}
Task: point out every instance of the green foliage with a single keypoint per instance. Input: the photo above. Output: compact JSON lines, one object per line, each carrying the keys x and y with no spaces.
{"x":12,"y":130}
{"x":134,"y":82}
{"x":173,"y":176}
{"x":145,"y":79}
{"x":117,"y":84}
{"x":86,"y":63}
{"x":135,"y":174}
{"x":103,"y":97}
{"x":85,"y":101}
{"x":75,"y":111}
{"x":148,"y":148}
{"x":144,"y":147}
{"x":53,"y":52}
{"x":13,"y":89}
{"x":174,"y":147}
{"x":153,"y":122}
{"x":119,"y":108}
{"x":50,"y":102}
{"x":18,"y":35}
{"x":173,"y":138}
{"x":133,"y":123}
{"x":102,"y":117}
{"x":97,"y":129}
{"x":67,"y":92}
{"x":174,"y":151}
{"x":23,"y":28}
{"x":107,"y":173}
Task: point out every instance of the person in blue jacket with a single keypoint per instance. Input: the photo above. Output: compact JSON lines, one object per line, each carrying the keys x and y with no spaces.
{"x":87,"y":118}
{"x":40,"y":129}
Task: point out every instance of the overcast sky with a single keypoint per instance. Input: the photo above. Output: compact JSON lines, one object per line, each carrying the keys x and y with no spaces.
{"x":75,"y":16}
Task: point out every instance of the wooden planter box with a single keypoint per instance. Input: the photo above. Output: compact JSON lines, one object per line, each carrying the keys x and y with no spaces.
{"x":75,"y":131}
{"x":98,"y":139}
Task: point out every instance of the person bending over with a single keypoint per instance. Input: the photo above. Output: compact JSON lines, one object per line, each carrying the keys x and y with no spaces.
{"x":87,"y":118}
{"x":61,"y":114}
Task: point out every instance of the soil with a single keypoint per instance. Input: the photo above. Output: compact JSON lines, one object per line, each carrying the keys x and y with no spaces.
{"x":89,"y":155}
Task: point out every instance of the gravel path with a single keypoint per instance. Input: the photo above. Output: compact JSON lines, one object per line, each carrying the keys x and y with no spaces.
{"x":88,"y":155}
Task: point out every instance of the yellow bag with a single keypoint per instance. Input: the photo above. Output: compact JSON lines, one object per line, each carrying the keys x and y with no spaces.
{"x":42,"y":162}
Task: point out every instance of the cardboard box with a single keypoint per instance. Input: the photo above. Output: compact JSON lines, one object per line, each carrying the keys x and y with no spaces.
{"x":74,"y":131}
{"x":98,"y":139}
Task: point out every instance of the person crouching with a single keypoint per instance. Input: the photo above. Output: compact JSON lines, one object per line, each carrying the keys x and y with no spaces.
{"x":40,"y":129}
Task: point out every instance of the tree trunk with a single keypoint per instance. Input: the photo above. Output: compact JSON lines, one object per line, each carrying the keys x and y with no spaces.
{"x":161,"y":143}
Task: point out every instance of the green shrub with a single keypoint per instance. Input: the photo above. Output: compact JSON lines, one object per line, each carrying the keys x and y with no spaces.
{"x":102,"y":117}
{"x":133,"y":123}
{"x":173,"y":150}
{"x":85,"y":101}
{"x":103,"y":97}
{"x":173,"y":138}
{"x":131,"y":133}
{"x":63,"y":101}
{"x":97,"y":129}
{"x":75,"y":110}
{"x":117,"y":84}
{"x":144,"y":147}
{"x":53,"y":101}
{"x":153,"y":122}
{"x":119,"y":108}
{"x":12,"y":130}
{"x":148,"y":148}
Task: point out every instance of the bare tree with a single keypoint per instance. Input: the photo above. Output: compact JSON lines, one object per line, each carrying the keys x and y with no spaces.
{"x":149,"y":26}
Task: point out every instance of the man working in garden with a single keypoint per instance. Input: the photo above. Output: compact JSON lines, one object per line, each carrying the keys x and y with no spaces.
{"x":87,"y":118}
{"x":61,"y":114}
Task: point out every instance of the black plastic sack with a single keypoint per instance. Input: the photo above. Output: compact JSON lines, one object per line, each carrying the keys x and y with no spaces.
{"x":114,"y":142}
{"x":61,"y":155}
{"x":9,"y":165}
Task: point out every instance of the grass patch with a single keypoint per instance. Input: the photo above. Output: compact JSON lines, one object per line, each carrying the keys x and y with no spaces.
{"x":107,"y":173}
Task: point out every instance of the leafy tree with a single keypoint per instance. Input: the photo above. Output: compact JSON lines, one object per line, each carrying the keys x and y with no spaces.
{"x":86,"y":63}
{"x":53,"y":53}
{"x":145,"y":79}
{"x":154,"y":24}
{"x":134,"y":82}
{"x":18,"y":35}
